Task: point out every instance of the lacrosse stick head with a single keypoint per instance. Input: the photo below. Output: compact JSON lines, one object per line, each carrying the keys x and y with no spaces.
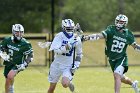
{"x":44,"y":44}
{"x":78,"y":29}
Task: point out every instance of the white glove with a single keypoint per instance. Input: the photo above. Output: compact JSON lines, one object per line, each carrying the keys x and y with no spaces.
{"x":75,"y":67}
{"x":44,"y":45}
{"x":4,"y":56}
{"x":22,"y":66}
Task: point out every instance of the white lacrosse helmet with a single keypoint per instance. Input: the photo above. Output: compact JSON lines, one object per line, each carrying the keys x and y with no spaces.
{"x":121,"y":21}
{"x":68,"y":25}
{"x":18,"y":31}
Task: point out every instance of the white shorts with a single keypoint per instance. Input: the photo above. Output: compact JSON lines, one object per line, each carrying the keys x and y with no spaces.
{"x":57,"y":70}
{"x":119,"y":70}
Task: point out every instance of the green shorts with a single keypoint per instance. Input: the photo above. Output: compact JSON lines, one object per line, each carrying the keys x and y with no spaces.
{"x":121,"y":61}
{"x":8,"y":68}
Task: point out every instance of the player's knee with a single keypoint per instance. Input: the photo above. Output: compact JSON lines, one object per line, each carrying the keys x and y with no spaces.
{"x":117,"y":76}
{"x":10,"y":77}
{"x":65,"y":82}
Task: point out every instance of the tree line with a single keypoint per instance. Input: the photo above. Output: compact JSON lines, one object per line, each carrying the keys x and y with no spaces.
{"x":93,"y":15}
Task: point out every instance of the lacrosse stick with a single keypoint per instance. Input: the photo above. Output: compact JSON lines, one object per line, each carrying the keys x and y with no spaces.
{"x":44,"y":44}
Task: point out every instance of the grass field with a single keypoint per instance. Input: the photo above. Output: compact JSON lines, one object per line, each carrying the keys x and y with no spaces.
{"x":86,"y":80}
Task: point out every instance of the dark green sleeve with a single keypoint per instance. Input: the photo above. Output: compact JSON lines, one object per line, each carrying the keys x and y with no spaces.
{"x":131,"y":38}
{"x":107,"y":33}
{"x":28,"y":49}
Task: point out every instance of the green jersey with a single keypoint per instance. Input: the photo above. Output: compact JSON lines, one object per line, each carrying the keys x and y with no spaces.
{"x":17,"y":51}
{"x":117,"y":42}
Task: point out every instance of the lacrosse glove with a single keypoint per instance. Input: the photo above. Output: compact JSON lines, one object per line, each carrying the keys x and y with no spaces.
{"x":75,"y":67}
{"x":22,"y":66}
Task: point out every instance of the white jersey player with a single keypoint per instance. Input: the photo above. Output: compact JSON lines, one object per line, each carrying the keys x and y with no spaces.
{"x":64,"y":64}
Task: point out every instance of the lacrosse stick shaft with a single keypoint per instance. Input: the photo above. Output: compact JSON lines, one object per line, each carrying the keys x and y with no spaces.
{"x":73,"y":59}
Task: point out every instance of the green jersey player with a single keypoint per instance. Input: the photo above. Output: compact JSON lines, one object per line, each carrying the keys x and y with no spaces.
{"x":17,"y":53}
{"x":117,"y":38}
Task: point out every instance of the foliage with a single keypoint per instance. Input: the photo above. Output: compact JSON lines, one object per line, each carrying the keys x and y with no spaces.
{"x":33,"y":14}
{"x":95,"y":15}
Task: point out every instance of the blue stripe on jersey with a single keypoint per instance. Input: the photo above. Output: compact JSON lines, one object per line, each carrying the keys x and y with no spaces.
{"x":67,"y":35}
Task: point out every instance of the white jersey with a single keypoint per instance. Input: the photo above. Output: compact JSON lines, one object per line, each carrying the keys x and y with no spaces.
{"x":66,"y":57}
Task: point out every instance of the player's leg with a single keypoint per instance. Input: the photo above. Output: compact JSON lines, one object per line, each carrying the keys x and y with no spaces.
{"x":126,"y":80}
{"x":9,"y":73}
{"x":52,"y":87}
{"x":129,"y":81}
{"x":118,"y":70}
{"x":117,"y":78}
{"x":53,"y":77}
{"x":65,"y":82}
{"x":67,"y":79}
{"x":9,"y":85}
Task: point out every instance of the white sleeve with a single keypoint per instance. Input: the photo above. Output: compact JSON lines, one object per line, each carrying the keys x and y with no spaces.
{"x":78,"y":50}
{"x":57,"y":45}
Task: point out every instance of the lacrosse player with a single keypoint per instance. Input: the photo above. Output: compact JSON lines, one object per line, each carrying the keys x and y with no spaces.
{"x":17,"y":53}
{"x":65,"y":45}
{"x":117,"y":38}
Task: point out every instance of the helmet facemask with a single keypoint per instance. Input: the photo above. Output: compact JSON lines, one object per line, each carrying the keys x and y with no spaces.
{"x":18,"y":32}
{"x":68,"y":26}
{"x":121,"y":22}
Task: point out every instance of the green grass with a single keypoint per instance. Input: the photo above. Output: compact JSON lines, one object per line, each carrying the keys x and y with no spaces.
{"x":86,"y":80}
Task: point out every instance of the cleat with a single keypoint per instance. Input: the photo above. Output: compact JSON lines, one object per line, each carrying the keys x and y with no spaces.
{"x":71,"y":87}
{"x":135,"y":86}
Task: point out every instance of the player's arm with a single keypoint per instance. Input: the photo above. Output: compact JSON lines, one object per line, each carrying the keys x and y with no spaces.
{"x":78,"y":58}
{"x":79,"y":52}
{"x":58,"y":47}
{"x":29,"y":58}
{"x":94,"y":36}
{"x":28,"y":53}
